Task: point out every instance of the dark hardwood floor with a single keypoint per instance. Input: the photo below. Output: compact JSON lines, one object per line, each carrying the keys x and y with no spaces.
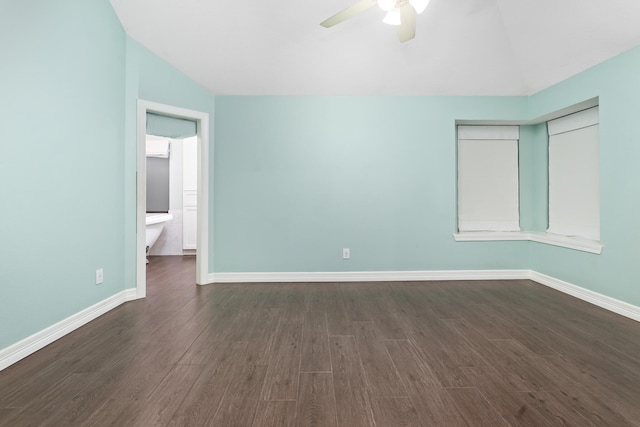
{"x":487,"y":353}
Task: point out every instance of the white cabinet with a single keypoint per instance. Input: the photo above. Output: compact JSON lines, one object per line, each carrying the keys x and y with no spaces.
{"x":189,"y":193}
{"x":190,"y":164}
{"x":189,"y":227}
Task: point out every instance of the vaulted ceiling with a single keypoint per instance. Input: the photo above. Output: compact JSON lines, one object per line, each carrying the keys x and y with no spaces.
{"x":462,"y":47}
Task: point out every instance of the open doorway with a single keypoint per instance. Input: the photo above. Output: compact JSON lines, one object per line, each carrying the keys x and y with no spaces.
{"x":202,"y":153}
{"x":172,"y":194}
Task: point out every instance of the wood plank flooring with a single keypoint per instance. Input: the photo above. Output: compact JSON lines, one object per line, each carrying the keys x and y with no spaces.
{"x":482,"y":353}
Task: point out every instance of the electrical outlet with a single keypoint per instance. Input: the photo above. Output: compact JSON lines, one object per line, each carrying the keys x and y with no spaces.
{"x":99,"y":276}
{"x":346,"y":253}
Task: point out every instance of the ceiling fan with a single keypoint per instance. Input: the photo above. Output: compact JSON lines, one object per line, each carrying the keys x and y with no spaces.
{"x":401,"y":13}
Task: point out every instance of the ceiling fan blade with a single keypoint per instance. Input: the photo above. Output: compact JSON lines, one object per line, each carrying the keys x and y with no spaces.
{"x":407,"y":28}
{"x":349,"y":12}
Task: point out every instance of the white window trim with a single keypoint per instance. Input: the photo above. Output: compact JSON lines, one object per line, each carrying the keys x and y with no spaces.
{"x":584,"y":245}
{"x":574,"y":121}
{"x":489,"y":132}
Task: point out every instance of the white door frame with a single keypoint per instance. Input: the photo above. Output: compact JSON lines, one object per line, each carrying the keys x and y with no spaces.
{"x":202,"y":242}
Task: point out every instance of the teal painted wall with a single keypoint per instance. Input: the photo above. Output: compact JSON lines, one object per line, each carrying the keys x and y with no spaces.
{"x":616,"y":272}
{"x":299,"y":178}
{"x":69,"y":87}
{"x":61,"y":171}
{"x":295,"y":179}
{"x":533,"y":164}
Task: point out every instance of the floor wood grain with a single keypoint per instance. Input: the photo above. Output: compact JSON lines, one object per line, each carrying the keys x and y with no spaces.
{"x":283,"y":373}
{"x":241,"y":400}
{"x":275,"y":413}
{"x":395,"y":412}
{"x":381,"y":375}
{"x":353,"y":405}
{"x":315,"y":343}
{"x":466,"y":353}
{"x":316,"y":401}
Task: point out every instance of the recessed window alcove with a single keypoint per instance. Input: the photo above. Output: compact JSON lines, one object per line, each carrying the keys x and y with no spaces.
{"x":536,"y":180}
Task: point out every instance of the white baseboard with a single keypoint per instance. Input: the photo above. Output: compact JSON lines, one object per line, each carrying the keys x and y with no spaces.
{"x":620,"y":307}
{"x":35,"y":342}
{"x":368,"y":276}
{"x":608,"y":303}
{"x":29,"y":345}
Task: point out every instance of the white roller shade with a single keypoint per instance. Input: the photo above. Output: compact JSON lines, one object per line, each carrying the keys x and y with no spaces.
{"x":487,"y":181}
{"x":489,"y":132}
{"x":579,"y":120}
{"x":157,"y":148}
{"x":574,"y":194}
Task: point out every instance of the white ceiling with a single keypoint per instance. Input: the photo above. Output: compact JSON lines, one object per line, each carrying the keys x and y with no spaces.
{"x":462,"y":47}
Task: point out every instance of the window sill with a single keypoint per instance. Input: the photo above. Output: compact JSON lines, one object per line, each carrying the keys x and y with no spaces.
{"x":585,"y":245}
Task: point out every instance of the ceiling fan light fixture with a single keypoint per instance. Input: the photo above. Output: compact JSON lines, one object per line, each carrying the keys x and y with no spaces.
{"x":419,"y":5}
{"x":386,"y":5}
{"x":393,"y":17}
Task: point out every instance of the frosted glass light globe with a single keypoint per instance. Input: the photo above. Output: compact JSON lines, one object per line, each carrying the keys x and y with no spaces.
{"x":393,"y":17}
{"x":419,"y":5}
{"x":386,"y":5}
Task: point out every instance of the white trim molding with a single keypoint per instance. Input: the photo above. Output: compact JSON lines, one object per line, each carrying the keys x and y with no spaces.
{"x":579,"y":244}
{"x":620,"y":307}
{"x":33,"y":343}
{"x":204,"y":182}
{"x":369,"y":276}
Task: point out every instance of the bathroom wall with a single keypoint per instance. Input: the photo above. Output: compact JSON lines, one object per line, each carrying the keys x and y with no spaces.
{"x":158,"y":179}
{"x":170,"y":240}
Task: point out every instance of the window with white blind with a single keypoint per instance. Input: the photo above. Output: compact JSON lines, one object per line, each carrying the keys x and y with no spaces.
{"x":574,"y":191}
{"x":488,"y":178}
